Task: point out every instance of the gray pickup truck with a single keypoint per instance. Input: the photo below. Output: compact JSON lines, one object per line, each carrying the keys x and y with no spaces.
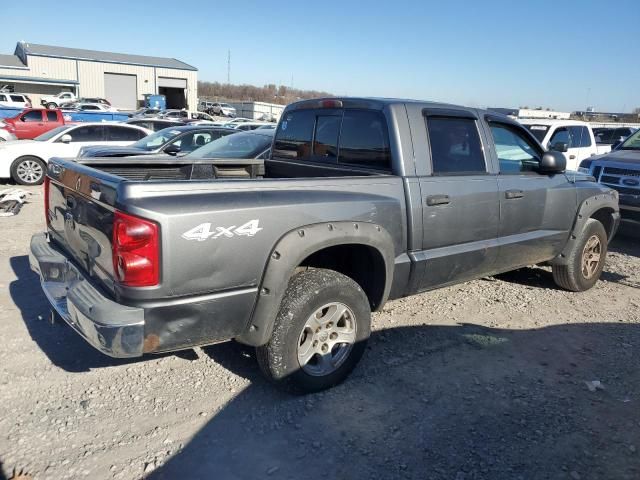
{"x":360,"y":202}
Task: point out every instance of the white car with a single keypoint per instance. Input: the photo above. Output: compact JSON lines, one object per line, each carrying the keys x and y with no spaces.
{"x":16,"y":100}
{"x":573,"y":138}
{"x":89,"y":107}
{"x":56,"y":101}
{"x":25,"y":161}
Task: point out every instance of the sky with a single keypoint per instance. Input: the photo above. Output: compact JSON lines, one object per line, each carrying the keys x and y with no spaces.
{"x":565,"y":55}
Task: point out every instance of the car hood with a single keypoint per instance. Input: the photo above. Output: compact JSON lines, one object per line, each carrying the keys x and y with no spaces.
{"x":619,"y":156}
{"x":113,"y":151}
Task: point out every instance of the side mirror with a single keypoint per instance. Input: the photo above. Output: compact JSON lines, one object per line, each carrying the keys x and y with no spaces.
{"x":66,"y":138}
{"x":552,"y":162}
{"x":559,"y":147}
{"x":172,"y":149}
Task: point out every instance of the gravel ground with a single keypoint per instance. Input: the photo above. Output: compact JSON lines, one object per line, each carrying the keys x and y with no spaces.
{"x":485,"y":380}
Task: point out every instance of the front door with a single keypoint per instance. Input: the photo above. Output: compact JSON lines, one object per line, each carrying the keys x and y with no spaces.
{"x":30,"y":124}
{"x":536,"y":211}
{"x":460,"y":204}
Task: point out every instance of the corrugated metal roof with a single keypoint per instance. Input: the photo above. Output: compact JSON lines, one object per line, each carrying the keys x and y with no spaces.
{"x":11,"y":61}
{"x":107,"y":57}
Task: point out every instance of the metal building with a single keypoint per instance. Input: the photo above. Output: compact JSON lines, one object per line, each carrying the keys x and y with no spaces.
{"x":123,"y":79}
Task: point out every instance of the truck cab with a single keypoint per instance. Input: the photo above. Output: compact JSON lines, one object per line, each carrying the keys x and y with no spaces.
{"x":33,"y":122}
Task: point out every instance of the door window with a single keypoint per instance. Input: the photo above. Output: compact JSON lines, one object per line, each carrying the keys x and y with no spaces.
{"x":52,"y":116}
{"x":579,"y":137}
{"x":515,"y":151}
{"x":455,"y":146}
{"x":17,"y":98}
{"x":3,"y":98}
{"x":123,"y":134}
{"x":32,"y":116}
{"x":88,"y":133}
{"x":561,"y":135}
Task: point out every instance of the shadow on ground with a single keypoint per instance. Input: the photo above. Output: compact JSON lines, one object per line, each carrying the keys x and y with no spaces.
{"x":456,"y":402}
{"x":62,"y":345}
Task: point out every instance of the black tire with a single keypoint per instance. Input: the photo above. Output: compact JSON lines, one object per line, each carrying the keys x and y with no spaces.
{"x":572,"y":276}
{"x":34,"y":164}
{"x":51,"y":106}
{"x":306,"y":294}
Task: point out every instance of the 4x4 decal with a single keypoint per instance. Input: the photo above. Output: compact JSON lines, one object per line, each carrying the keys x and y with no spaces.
{"x":205,"y":231}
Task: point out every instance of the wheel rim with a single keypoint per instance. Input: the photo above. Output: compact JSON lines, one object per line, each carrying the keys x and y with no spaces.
{"x":29,"y":171}
{"x":591,"y":255}
{"x":326,"y":339}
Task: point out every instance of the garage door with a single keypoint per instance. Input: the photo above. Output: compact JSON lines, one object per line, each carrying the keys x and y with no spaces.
{"x":121,"y":90}
{"x":172,"y":82}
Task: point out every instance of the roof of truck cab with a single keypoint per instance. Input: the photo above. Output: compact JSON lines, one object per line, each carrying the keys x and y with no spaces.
{"x":382,"y":101}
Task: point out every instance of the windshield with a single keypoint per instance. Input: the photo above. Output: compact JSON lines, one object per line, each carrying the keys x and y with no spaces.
{"x":237,"y":145}
{"x":539,"y":131}
{"x":632,"y":143}
{"x":156,"y":140}
{"x":51,"y":133}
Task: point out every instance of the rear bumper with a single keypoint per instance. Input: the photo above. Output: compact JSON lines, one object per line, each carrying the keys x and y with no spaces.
{"x":115,"y":330}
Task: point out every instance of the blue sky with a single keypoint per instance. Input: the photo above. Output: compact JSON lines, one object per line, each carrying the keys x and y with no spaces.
{"x":557,"y":54}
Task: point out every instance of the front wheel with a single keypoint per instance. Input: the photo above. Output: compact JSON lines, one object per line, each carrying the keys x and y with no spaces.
{"x":28,"y":171}
{"x":320,"y":332}
{"x":585,"y":259}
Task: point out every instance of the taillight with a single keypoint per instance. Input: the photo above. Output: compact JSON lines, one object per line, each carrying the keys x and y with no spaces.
{"x":135,"y":248}
{"x":46,"y":200}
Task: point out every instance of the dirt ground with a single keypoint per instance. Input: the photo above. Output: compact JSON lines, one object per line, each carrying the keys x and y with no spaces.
{"x":484,"y":380}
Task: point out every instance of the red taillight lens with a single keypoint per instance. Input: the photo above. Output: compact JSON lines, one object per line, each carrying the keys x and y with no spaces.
{"x":46,"y":200}
{"x":135,"y":250}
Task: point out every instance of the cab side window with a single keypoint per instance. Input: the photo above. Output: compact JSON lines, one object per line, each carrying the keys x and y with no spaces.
{"x":32,"y":116}
{"x":516,"y":152}
{"x":579,"y":137}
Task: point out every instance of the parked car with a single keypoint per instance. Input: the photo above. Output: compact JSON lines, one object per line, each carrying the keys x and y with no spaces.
{"x":254,"y":144}
{"x":612,"y":136}
{"x":155,"y":124}
{"x":58,"y":100}
{"x":89,"y":107}
{"x":102,"y":101}
{"x":205,"y":106}
{"x":246,"y":126}
{"x":223,"y":109}
{"x":25,"y":161}
{"x":573,"y":138}
{"x":363,"y":200}
{"x":238,"y":120}
{"x":170,"y":141}
{"x":146,"y":112}
{"x":620,"y":170}
{"x":32,"y":122}
{"x":16,"y":100}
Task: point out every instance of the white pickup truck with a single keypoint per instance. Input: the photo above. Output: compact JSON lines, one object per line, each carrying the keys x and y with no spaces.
{"x":577,"y":137}
{"x":56,"y":101}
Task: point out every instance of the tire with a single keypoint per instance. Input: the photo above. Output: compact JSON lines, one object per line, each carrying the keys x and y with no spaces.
{"x":577,"y":276}
{"x":309,"y":322}
{"x":28,"y":170}
{"x":51,"y":106}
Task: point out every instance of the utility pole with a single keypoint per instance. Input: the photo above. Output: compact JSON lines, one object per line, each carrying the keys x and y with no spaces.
{"x":229,"y":67}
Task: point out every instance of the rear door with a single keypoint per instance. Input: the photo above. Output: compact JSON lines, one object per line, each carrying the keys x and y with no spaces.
{"x":120,"y":135}
{"x":536,"y":211}
{"x":460,"y":201}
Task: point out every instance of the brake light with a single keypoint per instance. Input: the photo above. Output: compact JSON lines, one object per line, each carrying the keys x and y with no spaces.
{"x":135,"y":250}
{"x":330,"y":103}
{"x":46,"y":200}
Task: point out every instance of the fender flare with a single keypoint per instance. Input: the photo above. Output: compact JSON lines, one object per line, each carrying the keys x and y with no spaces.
{"x":587,"y":208}
{"x":292,"y":249}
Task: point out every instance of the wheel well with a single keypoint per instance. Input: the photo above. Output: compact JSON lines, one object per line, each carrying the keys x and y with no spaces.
{"x":364,"y":264}
{"x":604,"y":217}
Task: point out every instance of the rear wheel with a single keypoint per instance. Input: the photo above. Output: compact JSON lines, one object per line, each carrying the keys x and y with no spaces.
{"x":28,"y":171}
{"x":585,"y":260}
{"x":320,"y":332}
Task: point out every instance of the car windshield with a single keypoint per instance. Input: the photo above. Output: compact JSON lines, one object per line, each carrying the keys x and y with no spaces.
{"x":156,"y":140}
{"x":51,"y":133}
{"x":632,"y":143}
{"x":237,"y":145}
{"x":539,"y":131}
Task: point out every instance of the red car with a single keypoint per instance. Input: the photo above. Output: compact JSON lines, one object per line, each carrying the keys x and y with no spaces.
{"x":33,"y":122}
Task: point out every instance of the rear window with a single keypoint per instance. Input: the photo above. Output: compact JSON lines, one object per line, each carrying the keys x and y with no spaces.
{"x":348,"y":137}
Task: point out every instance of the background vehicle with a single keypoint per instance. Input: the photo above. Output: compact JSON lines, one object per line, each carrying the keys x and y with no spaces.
{"x":154,"y":124}
{"x":171,"y":141}
{"x":89,"y":107}
{"x":146,"y":112}
{"x":577,"y":137}
{"x":233,"y":144}
{"x":362,"y":200}
{"x":223,"y":109}
{"x":25,"y":161}
{"x":17,"y":100}
{"x":611,"y":136}
{"x":32,"y":122}
{"x":102,"y":101}
{"x":58,"y":100}
{"x":620,"y":170}
{"x":246,"y":126}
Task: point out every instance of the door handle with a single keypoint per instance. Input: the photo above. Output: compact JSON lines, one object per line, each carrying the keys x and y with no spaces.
{"x":433,"y":200}
{"x":572,"y":157}
{"x":513,"y":194}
